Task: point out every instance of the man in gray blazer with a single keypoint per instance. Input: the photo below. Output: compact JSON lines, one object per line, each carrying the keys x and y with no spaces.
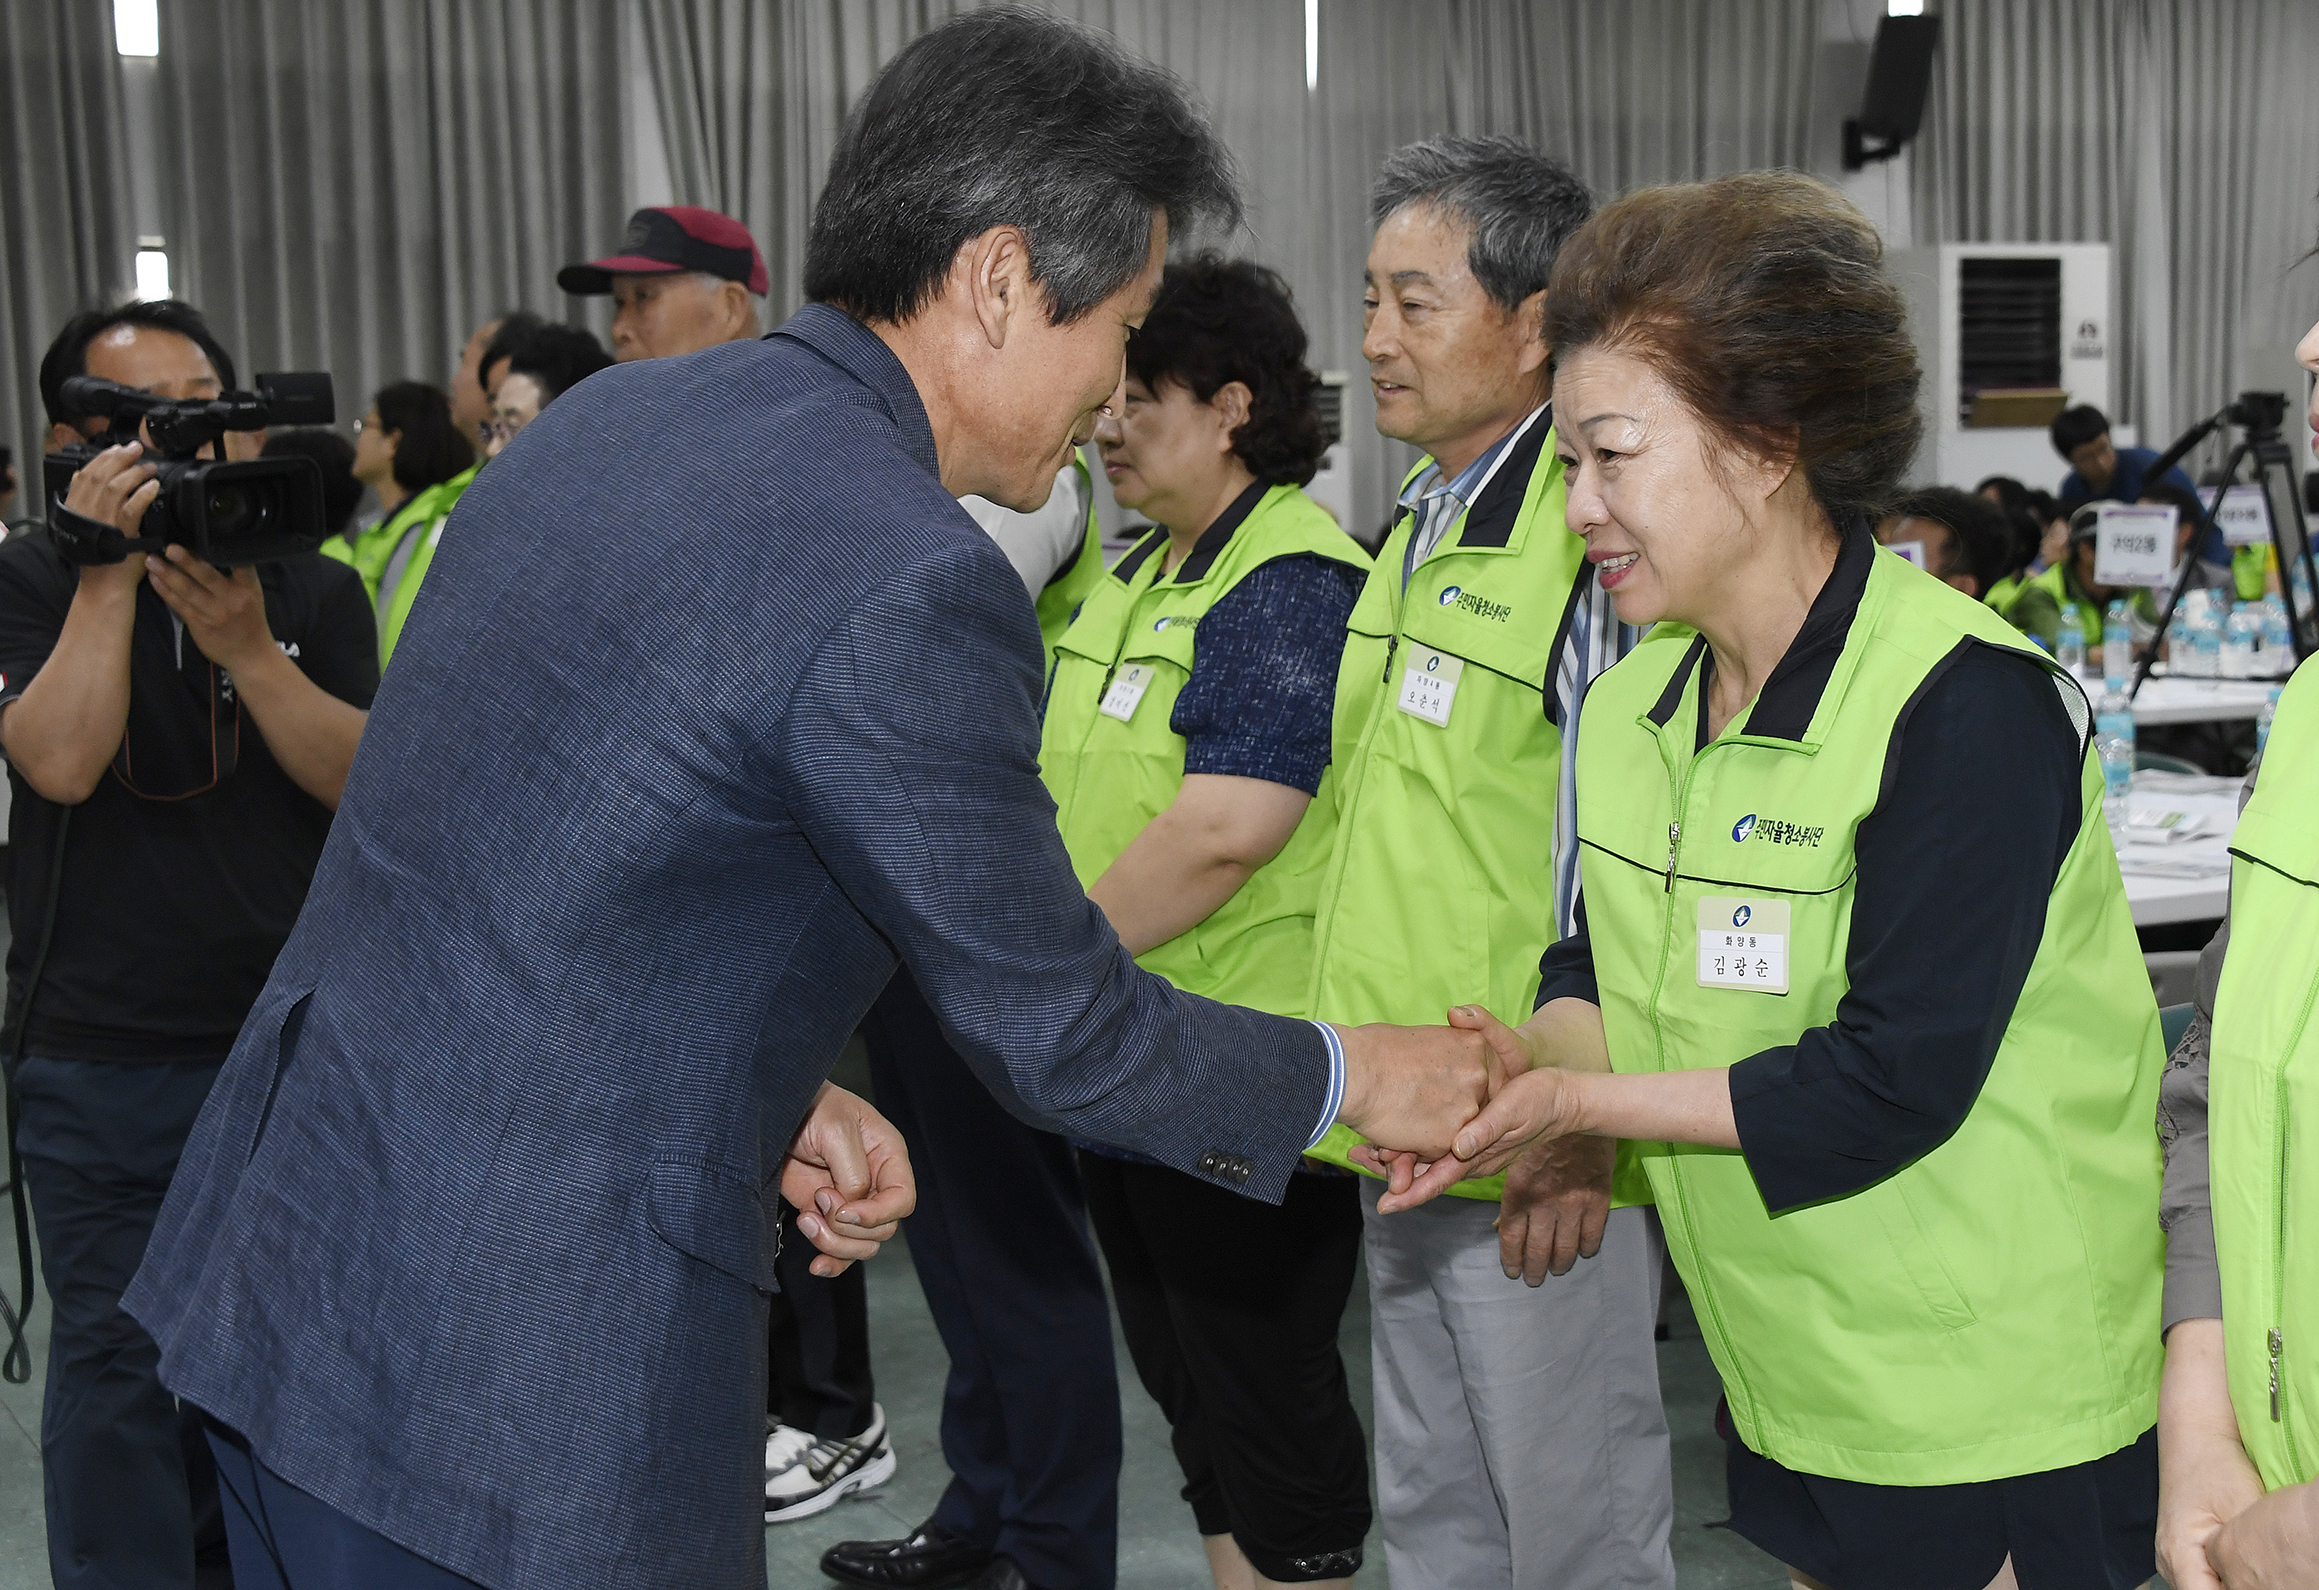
{"x":716,"y":706}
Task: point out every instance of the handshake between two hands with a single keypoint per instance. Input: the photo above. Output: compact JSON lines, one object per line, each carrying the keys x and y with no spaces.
{"x":1437,"y":1104}
{"x":1441,"y":1104}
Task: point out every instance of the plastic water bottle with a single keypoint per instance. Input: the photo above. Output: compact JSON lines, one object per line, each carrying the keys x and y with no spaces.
{"x":2114,"y":742}
{"x":2210,"y":627}
{"x":2242,"y":634}
{"x":2278,"y":654}
{"x":2262,"y":724}
{"x":2069,"y":645}
{"x":2117,"y":648}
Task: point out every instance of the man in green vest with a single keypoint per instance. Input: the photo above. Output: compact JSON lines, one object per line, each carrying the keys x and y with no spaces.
{"x":1520,"y":1439}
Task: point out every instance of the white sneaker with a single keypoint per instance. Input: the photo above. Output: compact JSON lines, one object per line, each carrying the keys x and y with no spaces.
{"x":804,"y":1476}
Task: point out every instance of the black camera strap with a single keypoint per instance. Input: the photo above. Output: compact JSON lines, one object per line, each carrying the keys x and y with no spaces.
{"x":85,"y":540}
{"x":16,"y":1359}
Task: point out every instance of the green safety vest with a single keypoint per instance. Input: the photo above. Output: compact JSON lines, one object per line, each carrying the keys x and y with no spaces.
{"x":371,"y":554}
{"x":1113,"y":763}
{"x":2263,"y":1099}
{"x":1992,"y":1309}
{"x":1440,"y":889}
{"x":2004,"y":593}
{"x":1075,"y":580}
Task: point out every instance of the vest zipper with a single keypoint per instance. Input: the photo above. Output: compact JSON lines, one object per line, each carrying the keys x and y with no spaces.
{"x":1392,"y":645}
{"x":1674,"y":843}
{"x":2275,"y":1350}
{"x":2277,"y":1341}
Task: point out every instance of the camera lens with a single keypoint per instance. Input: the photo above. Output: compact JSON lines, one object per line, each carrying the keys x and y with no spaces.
{"x":233,"y":509}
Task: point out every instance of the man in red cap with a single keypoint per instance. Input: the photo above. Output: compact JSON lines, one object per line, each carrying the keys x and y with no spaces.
{"x":685,"y":279}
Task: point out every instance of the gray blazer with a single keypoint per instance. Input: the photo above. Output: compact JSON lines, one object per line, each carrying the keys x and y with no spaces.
{"x":714,"y":707}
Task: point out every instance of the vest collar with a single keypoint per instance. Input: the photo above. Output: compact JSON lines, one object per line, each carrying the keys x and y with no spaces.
{"x":1791,"y":698}
{"x":1489,"y":523}
{"x":1204,"y":552}
{"x":862,"y":354}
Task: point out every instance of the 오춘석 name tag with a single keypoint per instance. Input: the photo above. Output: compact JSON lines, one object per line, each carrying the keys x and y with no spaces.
{"x":1429,"y":687}
{"x":1743,"y":944}
{"x":1126,"y":692}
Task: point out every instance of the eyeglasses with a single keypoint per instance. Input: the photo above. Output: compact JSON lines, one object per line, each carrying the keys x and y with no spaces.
{"x":499,"y":430}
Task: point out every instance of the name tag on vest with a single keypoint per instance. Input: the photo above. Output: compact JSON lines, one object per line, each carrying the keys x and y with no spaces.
{"x":1430,"y":686}
{"x":1743,"y":944}
{"x":1126,"y":692}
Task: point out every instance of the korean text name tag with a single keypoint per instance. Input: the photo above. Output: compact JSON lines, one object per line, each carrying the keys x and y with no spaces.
{"x":1743,"y":944}
{"x":1429,"y":687}
{"x":2134,"y":543}
{"x":1126,"y":692}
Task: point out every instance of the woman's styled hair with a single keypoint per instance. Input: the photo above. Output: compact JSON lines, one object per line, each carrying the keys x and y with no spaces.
{"x":1762,"y":301}
{"x":1216,"y":321}
{"x":431,"y":450}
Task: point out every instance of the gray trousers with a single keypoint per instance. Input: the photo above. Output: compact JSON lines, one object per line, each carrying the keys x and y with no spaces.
{"x":1521,"y":1442}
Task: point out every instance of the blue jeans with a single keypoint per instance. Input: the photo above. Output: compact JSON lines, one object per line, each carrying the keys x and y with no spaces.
{"x":130,"y":1497}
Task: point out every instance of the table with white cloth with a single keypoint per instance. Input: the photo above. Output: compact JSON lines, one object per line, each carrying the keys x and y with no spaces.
{"x":2175,"y":853}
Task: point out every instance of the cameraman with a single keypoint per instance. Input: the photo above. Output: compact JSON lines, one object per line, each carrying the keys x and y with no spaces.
{"x":176,"y":737}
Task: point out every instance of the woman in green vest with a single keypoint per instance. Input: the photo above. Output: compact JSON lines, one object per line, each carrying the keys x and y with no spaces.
{"x":1891,"y":1100}
{"x":1187,"y":738}
{"x":2239,"y":1448}
{"x":410,"y":451}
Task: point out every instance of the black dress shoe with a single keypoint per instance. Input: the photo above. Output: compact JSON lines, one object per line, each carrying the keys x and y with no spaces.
{"x":1000,"y":1575}
{"x":931,"y":1559}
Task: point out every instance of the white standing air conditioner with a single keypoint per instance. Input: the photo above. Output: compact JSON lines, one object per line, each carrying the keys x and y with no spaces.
{"x":2010,"y":334}
{"x":1332,"y":487}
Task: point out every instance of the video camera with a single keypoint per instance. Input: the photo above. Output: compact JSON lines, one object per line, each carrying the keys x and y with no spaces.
{"x":229,"y":513}
{"x":2258,"y":413}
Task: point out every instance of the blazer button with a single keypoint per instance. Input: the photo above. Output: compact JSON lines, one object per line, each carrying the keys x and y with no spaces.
{"x":1208,"y":1162}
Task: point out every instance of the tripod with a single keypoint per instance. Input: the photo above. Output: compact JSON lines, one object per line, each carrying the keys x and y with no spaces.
{"x":2259,"y":414}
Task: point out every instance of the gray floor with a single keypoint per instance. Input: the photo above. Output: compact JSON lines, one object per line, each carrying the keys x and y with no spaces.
{"x":1157,"y":1546}
{"x":1158,"y":1549}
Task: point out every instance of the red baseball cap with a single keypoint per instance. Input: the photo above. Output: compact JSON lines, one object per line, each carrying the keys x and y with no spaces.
{"x":674,"y":237}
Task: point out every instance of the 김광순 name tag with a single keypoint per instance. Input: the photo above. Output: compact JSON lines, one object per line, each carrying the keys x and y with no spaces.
{"x":1126,"y":692}
{"x":1743,"y":944}
{"x":1430,"y":685}
{"x":2134,"y":543}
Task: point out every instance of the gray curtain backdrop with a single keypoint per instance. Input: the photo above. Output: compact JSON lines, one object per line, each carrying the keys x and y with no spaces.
{"x":752,"y":93}
{"x":2181,"y":132}
{"x":65,"y":235}
{"x":353,"y":186}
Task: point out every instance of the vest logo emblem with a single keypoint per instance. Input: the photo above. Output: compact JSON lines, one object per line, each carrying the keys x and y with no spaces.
{"x":1772,"y":831}
{"x":1740,"y":916}
{"x":1480,"y":606}
{"x":1173,"y":621}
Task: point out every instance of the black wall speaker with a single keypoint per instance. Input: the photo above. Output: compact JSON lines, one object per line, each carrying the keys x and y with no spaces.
{"x":1899,"y":75}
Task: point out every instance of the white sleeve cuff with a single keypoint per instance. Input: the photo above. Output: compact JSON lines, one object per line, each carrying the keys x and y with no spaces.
{"x":1335,"y":1099}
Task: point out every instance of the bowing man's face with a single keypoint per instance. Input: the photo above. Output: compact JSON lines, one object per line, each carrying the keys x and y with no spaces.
{"x":1044,"y":385}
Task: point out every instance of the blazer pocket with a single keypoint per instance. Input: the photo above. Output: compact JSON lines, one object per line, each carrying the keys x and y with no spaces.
{"x":718,"y":1219}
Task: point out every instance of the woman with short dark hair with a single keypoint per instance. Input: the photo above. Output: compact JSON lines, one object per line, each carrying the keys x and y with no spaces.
{"x":411,"y":452}
{"x":1187,"y":738}
{"x":1892,"y":1099}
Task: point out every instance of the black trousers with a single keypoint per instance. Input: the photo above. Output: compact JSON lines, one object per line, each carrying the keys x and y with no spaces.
{"x":286,"y":1539}
{"x":1030,"y":1415}
{"x":1231,"y":1308}
{"x":130,"y":1485}
{"x":817,"y":1350}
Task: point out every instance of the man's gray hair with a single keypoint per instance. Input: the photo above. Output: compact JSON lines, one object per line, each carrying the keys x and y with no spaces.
{"x":1011,"y":117}
{"x":1521,"y":205}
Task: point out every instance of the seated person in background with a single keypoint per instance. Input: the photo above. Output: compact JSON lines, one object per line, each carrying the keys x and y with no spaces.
{"x":527,"y":368}
{"x":2101,"y":472}
{"x":333,"y":454}
{"x":411,"y":452}
{"x":2038,"y":524}
{"x":7,"y":483}
{"x":2072,"y":584}
{"x":1969,"y":543}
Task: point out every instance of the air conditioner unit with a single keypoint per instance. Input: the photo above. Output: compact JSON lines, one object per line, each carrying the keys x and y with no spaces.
{"x":1332,"y":487}
{"x":2010,"y":334}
